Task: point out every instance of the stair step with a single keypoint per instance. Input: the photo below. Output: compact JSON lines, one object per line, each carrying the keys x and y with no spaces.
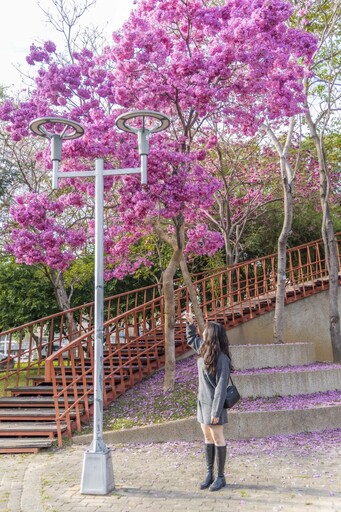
{"x":272,"y":355}
{"x":69,"y":378}
{"x":31,"y":401}
{"x":25,"y":428}
{"x":24,"y":445}
{"x":34,"y":390}
{"x":251,"y":424}
{"x":45,"y":390}
{"x":30,"y":414}
{"x":154,"y":343}
{"x":285,"y":403}
{"x":255,"y":305}
{"x":241,"y":425}
{"x":142,"y":352}
{"x":106,"y":368}
{"x":116,"y":359}
{"x":287,"y":381}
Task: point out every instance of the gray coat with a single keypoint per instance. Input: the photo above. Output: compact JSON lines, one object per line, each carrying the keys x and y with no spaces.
{"x":212,"y":386}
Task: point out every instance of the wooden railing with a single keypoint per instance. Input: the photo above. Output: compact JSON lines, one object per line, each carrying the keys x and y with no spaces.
{"x":133,"y":337}
{"x":126,"y":361}
{"x":248,"y":288}
{"x":241,"y":292}
{"x":28,"y":345}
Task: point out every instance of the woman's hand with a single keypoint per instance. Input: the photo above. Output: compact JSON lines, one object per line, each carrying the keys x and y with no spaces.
{"x":214,"y":420}
{"x":189,"y":317}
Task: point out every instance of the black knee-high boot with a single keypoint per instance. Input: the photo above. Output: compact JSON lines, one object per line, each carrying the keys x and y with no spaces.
{"x":209,"y":453}
{"x":220,"y":481}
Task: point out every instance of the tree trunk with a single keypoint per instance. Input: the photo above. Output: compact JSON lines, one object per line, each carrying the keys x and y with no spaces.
{"x":333,"y":271}
{"x":169,"y":317}
{"x":63,"y":300}
{"x":282,"y":250}
{"x":330,"y":243}
{"x":177,"y":243}
{"x":193,"y":294}
{"x":59,"y":290}
{"x":288,"y":177}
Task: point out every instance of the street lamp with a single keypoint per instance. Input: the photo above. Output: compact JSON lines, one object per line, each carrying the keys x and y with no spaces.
{"x":97,"y":473}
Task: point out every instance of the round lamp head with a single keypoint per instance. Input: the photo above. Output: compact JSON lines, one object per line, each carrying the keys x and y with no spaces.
{"x":151,"y":121}
{"x":70,"y":129}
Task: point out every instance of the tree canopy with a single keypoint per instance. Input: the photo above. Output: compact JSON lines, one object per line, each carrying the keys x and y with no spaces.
{"x":239,"y":64}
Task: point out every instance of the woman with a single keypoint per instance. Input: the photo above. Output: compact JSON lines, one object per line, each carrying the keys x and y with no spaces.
{"x":214,"y":364}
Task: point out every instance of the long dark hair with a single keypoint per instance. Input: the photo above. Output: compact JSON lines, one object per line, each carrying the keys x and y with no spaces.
{"x":215,"y":341}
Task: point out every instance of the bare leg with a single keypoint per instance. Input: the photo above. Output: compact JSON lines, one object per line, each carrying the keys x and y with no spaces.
{"x":207,"y":434}
{"x":214,"y":434}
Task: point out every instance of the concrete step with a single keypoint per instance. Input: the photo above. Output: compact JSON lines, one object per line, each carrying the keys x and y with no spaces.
{"x":241,"y":425}
{"x":246,"y":425}
{"x":272,"y":355}
{"x":289,"y":381}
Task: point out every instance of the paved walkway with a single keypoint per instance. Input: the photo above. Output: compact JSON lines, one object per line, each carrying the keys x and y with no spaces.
{"x":279,"y":474}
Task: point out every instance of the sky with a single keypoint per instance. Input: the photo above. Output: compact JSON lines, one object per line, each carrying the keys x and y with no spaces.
{"x":23,"y":23}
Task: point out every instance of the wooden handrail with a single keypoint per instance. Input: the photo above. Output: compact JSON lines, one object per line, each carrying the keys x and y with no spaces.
{"x":138,"y":346}
{"x":35,"y":340}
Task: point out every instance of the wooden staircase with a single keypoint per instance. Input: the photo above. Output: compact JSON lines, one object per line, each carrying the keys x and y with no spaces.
{"x":28,"y":416}
{"x":27,"y":420}
{"x":47,"y":398}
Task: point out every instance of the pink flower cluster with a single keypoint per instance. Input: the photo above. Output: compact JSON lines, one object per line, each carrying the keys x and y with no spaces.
{"x":238,"y":62}
{"x":40,"y":54}
{"x":202,"y":241}
{"x":39,"y":237}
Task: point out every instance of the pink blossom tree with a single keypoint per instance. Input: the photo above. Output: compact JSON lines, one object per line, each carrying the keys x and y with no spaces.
{"x":247,"y":172}
{"x":321,"y":105}
{"x":239,"y":64}
{"x":32,"y":219}
{"x":42,"y":234}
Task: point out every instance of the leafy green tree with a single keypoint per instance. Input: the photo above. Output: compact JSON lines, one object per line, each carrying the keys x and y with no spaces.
{"x":25,"y":294}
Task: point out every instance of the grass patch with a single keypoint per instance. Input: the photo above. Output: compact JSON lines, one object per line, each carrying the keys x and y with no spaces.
{"x":147,"y":403}
{"x":12,"y":381}
{"x":138,"y":409}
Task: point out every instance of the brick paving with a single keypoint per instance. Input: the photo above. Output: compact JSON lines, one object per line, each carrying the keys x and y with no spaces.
{"x":152,"y":477}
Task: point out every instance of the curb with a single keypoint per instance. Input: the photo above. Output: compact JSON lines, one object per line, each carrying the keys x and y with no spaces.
{"x":241,"y":425}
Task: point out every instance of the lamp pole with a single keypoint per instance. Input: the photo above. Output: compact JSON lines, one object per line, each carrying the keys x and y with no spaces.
{"x":97,"y":473}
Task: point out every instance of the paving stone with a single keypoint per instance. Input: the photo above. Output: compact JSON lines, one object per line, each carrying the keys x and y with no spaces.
{"x":165,"y":477}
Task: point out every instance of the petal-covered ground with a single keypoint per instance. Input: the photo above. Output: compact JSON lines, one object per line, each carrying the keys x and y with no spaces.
{"x":147,"y":403}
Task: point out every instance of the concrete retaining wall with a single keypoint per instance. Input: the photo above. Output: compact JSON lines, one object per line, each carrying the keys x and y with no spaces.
{"x":288,"y":383}
{"x":305,"y":320}
{"x":272,"y":356}
{"x":241,"y":425}
{"x":245,"y":425}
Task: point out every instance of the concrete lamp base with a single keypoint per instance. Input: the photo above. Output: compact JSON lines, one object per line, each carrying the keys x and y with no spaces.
{"x":97,"y":474}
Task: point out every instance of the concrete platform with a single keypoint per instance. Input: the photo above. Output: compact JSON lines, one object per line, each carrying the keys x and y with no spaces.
{"x":285,"y":474}
{"x":283,"y":382}
{"x":241,"y":425}
{"x":272,"y":356}
{"x":290,"y":416}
